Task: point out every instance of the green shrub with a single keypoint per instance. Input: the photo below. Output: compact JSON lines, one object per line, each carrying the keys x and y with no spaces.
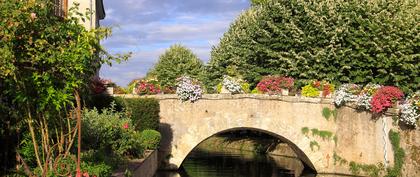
{"x":310,"y":91}
{"x":144,"y":112}
{"x":246,"y":87}
{"x":256,"y":91}
{"x":68,"y":165}
{"x":150,"y":139}
{"x":111,"y":132}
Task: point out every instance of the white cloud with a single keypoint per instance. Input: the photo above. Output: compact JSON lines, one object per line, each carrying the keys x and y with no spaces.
{"x":148,"y":27}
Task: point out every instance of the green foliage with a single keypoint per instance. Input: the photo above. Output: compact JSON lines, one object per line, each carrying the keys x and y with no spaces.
{"x":246,"y":87}
{"x":325,"y":135}
{"x":310,"y":91}
{"x":44,"y":60}
{"x":338,"y":41}
{"x":219,"y":87}
{"x":305,"y":130}
{"x":399,"y":155}
{"x":150,"y":139}
{"x":371,"y":170}
{"x":144,"y":112}
{"x":256,"y":91}
{"x":326,"y":112}
{"x":314,"y":144}
{"x":334,"y":113}
{"x":111,"y":132}
{"x":339,"y":159}
{"x":68,"y":163}
{"x":174,"y":63}
{"x":258,"y":2}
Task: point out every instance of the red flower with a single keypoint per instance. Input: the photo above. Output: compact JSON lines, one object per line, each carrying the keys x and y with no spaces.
{"x":125,"y":126}
{"x":274,"y":84}
{"x":385,"y":97}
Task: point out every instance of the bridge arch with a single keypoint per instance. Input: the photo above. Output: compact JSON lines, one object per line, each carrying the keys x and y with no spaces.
{"x":184,"y":125}
{"x":301,"y":155}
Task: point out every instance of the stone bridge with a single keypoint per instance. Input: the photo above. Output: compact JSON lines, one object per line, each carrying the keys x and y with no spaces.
{"x":350,"y":136}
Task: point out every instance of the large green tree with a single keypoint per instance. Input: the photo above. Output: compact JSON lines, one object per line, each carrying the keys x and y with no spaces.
{"x":46,"y":62}
{"x":357,"y":41}
{"x":175,"y":62}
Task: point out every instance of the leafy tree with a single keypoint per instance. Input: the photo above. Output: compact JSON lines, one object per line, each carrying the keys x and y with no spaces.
{"x":356,"y":41}
{"x":175,"y":62}
{"x":45,"y":63}
{"x":259,"y":2}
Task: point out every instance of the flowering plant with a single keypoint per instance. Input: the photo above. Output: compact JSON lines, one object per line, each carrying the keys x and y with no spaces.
{"x":410,"y":110}
{"x":97,"y":85}
{"x":365,"y":96}
{"x":346,"y":93}
{"x":385,"y":97}
{"x":310,"y":91}
{"x":232,"y":85}
{"x":188,"y":89}
{"x":274,"y":84}
{"x":314,"y":88}
{"x":147,"y":88}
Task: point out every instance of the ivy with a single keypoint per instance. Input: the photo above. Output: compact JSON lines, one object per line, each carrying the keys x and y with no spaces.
{"x":326,"y":113}
{"x":338,"y":159}
{"x":314,"y":144}
{"x":399,"y":155}
{"x":371,"y":170}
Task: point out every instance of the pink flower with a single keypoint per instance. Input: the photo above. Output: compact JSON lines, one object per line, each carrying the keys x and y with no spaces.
{"x":33,"y":16}
{"x":385,"y":97}
{"x":125,"y":126}
{"x":85,"y":174}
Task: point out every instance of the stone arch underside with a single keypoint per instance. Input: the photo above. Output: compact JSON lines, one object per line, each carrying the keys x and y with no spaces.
{"x":301,"y":155}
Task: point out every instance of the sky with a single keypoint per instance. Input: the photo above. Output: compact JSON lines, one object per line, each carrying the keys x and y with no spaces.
{"x":148,"y":27}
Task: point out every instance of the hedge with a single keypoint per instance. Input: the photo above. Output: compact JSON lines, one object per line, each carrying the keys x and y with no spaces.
{"x":144,"y":112}
{"x":354,"y":41}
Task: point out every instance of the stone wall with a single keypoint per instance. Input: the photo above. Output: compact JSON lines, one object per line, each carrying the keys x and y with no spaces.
{"x":357,"y":136}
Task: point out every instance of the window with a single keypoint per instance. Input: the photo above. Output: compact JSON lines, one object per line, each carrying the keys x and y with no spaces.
{"x":60,"y":8}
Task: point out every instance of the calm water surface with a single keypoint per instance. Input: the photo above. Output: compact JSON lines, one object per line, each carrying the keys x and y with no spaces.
{"x":237,"y":164}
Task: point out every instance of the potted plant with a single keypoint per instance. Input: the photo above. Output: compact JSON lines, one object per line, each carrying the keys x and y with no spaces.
{"x":386,"y":97}
{"x":410,"y":110}
{"x":318,"y":89}
{"x":271,"y":85}
{"x":145,"y":87}
{"x":286,"y":83}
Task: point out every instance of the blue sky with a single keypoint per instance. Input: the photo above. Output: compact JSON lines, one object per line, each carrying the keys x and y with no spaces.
{"x":148,"y":27}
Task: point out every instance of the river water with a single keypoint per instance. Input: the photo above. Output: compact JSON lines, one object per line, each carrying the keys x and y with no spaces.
{"x":238,"y":164}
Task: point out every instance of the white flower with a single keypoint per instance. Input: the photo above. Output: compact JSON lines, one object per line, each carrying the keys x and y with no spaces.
{"x":344,"y":94}
{"x":231,"y":85}
{"x":188,"y":90}
{"x":409,"y":114}
{"x":363,"y":101}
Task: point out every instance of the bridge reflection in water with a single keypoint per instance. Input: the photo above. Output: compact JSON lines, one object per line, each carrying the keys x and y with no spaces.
{"x":232,"y":163}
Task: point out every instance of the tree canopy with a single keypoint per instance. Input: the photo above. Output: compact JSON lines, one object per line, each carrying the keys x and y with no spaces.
{"x":356,"y":41}
{"x":175,"y":62}
{"x":45,"y":61}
